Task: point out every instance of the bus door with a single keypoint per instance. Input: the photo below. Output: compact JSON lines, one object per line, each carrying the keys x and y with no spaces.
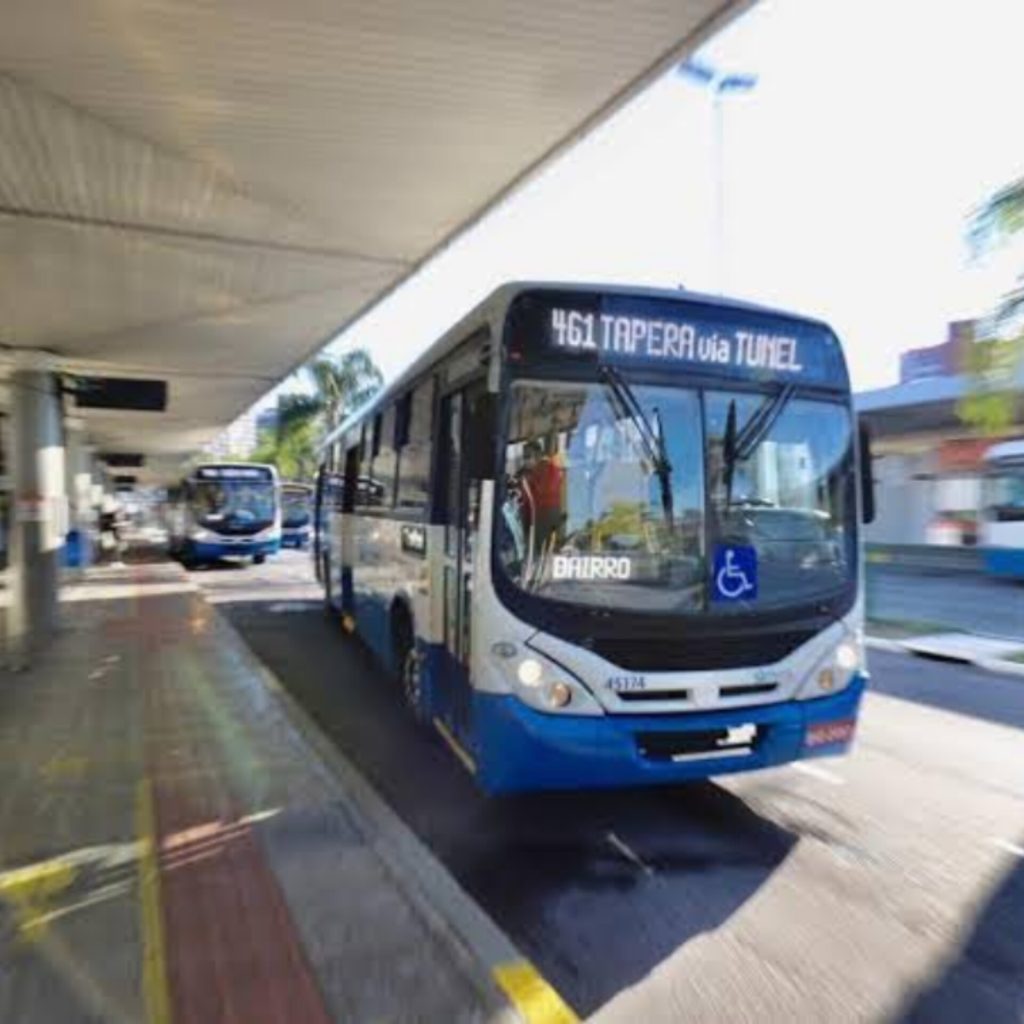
{"x":318,"y":523}
{"x":460,"y":497}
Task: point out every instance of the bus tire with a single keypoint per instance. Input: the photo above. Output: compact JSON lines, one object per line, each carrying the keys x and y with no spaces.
{"x":258,"y":559}
{"x":408,"y":663}
{"x":325,"y":575}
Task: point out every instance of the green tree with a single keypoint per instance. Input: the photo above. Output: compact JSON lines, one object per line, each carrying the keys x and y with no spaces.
{"x":343,"y":384}
{"x":340,"y":386}
{"x":993,"y":362}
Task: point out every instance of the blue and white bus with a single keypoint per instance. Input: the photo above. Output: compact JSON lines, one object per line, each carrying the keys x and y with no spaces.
{"x":226,"y":510}
{"x":296,"y":514}
{"x":1002,"y":527}
{"x":609,"y":536}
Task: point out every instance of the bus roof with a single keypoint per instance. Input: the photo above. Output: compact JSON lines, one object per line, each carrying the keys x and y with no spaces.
{"x":498,"y":301}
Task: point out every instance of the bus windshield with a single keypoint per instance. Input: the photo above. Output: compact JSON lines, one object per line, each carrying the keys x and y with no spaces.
{"x":1004,"y":492}
{"x":294,"y":507}
{"x":633,"y":502}
{"x":233,"y":505}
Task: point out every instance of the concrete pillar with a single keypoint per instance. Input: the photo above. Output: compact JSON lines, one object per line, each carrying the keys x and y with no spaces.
{"x":39,"y":520}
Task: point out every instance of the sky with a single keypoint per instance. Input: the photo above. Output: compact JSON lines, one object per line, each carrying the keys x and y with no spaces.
{"x":848,"y":174}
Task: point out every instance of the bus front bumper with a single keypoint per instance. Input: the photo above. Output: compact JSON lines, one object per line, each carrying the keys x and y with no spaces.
{"x":522,"y":749}
{"x":241,"y":547}
{"x":1007,"y":562}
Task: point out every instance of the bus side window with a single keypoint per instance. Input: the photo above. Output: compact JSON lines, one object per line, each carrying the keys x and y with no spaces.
{"x":414,"y":456}
{"x":384,"y":460}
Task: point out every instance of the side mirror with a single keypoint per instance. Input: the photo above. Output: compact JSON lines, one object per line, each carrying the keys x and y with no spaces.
{"x":867,"y":479}
{"x":481,"y":460}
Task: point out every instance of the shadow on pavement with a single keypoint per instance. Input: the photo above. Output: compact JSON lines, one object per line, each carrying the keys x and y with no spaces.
{"x":556,"y":871}
{"x":986,"y":981}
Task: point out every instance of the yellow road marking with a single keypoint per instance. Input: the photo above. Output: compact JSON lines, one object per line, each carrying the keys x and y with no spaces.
{"x":154,"y":962}
{"x":30,"y":889}
{"x":69,"y":767}
{"x":531,"y":995}
{"x":460,"y":751}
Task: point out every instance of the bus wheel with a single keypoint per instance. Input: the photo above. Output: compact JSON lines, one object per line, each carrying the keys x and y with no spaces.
{"x":326,"y":579}
{"x":410,"y":668}
{"x":258,"y":559}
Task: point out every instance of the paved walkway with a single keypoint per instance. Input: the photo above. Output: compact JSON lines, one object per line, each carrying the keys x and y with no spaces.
{"x":172,"y":848}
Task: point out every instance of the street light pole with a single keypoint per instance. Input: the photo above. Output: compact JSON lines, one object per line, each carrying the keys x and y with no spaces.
{"x":718,"y":83}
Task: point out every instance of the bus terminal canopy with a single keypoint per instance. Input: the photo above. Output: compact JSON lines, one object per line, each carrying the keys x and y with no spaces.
{"x":204,"y":193}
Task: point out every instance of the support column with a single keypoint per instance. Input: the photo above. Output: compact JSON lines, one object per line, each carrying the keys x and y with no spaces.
{"x":39,"y":513}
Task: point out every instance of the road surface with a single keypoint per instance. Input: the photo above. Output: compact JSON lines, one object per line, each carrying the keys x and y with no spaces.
{"x":957,"y":600}
{"x":888,"y":885}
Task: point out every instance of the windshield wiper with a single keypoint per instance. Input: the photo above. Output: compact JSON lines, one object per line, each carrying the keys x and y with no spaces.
{"x":738,"y":447}
{"x":652,"y":442}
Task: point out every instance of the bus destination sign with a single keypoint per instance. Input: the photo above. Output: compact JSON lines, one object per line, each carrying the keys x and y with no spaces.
{"x":667,"y":334}
{"x":250,"y":473}
{"x":678,"y":340}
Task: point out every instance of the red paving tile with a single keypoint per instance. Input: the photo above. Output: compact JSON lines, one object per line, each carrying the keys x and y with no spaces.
{"x":232,"y":950}
{"x":233,"y":953}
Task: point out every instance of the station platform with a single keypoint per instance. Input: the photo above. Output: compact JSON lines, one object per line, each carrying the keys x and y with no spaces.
{"x":178,"y":845}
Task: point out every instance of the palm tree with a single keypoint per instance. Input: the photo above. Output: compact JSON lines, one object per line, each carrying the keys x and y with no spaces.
{"x":340,"y":385}
{"x":996,"y":220}
{"x":343,"y":384}
{"x":991,"y":405}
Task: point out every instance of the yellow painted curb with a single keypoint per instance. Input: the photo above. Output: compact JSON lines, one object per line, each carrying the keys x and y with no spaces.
{"x":30,"y":890}
{"x":532,"y":996}
{"x":154,"y":962}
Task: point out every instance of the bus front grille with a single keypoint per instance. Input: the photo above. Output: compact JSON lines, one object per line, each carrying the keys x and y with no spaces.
{"x":660,"y":654}
{"x":697,"y":744}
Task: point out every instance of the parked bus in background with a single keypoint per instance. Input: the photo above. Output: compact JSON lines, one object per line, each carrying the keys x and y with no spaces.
{"x":296,"y":514}
{"x":225,"y":510}
{"x":1002,"y":528}
{"x":609,"y":536}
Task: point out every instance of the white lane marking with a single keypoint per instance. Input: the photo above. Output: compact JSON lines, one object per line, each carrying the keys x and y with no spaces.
{"x":630,"y":854}
{"x":821,"y":774}
{"x":1005,"y":844}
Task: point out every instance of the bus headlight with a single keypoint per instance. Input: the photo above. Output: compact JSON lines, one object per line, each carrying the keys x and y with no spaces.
{"x":558,"y":695}
{"x":202,"y":536}
{"x":835,"y":671}
{"x":544,"y":685}
{"x":847,"y":656}
{"x":530,"y":672}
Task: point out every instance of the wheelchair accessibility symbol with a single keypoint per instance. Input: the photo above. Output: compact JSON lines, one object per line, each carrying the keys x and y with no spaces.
{"x":735,"y":570}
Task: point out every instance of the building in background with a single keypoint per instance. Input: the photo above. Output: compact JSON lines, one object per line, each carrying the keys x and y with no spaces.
{"x":928,"y":464}
{"x":239,"y":439}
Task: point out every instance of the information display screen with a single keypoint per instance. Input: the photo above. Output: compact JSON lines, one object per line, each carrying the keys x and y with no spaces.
{"x":675,"y":335}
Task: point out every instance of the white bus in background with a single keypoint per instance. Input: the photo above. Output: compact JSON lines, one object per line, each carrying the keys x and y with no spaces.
{"x":225,"y":510}
{"x":1002,"y":528}
{"x":609,"y":536}
{"x":296,"y":514}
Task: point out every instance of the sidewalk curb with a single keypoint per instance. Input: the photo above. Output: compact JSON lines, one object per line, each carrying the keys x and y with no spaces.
{"x":486,"y":954}
{"x":994,"y":665}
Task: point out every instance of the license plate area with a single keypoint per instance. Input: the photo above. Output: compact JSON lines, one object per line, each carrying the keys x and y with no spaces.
{"x":823,"y":734}
{"x":697,"y":745}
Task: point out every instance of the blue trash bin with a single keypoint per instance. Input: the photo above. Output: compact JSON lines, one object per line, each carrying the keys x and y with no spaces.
{"x":73,"y":549}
